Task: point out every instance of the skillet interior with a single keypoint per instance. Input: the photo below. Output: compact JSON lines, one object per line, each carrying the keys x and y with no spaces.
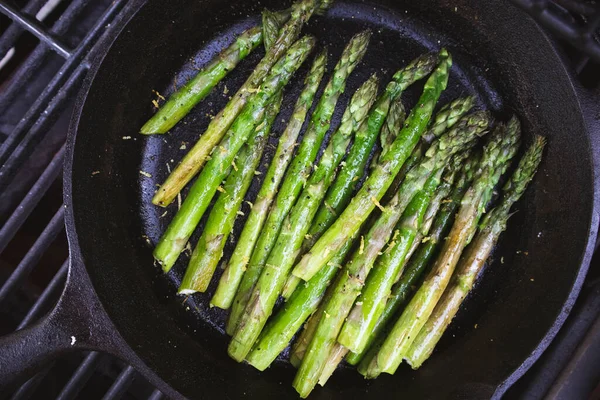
{"x":185,"y":346}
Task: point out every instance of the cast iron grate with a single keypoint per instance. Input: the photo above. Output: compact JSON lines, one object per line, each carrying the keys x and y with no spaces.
{"x":45,"y":50}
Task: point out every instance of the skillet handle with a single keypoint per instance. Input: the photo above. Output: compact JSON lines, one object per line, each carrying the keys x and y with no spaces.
{"x":77,"y":322}
{"x":30,"y":349}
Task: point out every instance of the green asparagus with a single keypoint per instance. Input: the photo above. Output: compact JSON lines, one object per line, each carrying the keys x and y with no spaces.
{"x":340,"y":193}
{"x":474,"y":257}
{"x":352,"y":279}
{"x":444,"y":119}
{"x":185,"y":221}
{"x":296,"y":224}
{"x":297,"y":173}
{"x":232,"y":275}
{"x":185,"y":98}
{"x":393,"y":123}
{"x":219,"y":125}
{"x":279,"y":331}
{"x":379,"y":180}
{"x":416,"y":267}
{"x":209,"y":250}
{"x":497,"y":154}
{"x":408,"y":227}
{"x":370,"y":302}
{"x":447,"y":116}
{"x":441,"y":193}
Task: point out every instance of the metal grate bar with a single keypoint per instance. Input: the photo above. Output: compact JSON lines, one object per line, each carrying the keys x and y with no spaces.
{"x":34,"y":254}
{"x":23,"y":140}
{"x":27,"y":389}
{"x":80,"y":377}
{"x":124,"y":380}
{"x":32,"y":198}
{"x":13,"y":32}
{"x":156,"y":395}
{"x":33,"y":26}
{"x":593,"y":24}
{"x":35,"y":60}
{"x":578,"y":36}
{"x":57,"y":93}
{"x":48,"y":296}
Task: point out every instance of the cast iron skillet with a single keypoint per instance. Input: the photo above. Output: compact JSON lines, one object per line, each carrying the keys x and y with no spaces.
{"x":117,"y":301}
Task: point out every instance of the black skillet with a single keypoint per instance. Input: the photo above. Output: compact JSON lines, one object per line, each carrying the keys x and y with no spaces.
{"x":117,"y":301}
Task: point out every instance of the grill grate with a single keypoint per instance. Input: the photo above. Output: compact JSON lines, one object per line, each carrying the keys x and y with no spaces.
{"x":576,"y":21}
{"x":35,"y":102}
{"x":24,"y":135}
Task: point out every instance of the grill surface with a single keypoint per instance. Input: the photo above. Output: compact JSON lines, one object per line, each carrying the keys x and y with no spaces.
{"x":46,"y":47}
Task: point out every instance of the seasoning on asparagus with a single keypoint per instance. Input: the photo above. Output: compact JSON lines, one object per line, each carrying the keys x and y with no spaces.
{"x":356,"y":271}
{"x":219,"y":125}
{"x":420,"y":261}
{"x":475,"y":256}
{"x":279,"y":331}
{"x":393,"y":122}
{"x":447,"y":116}
{"x":185,"y":98}
{"x":240,"y":257}
{"x":185,"y":221}
{"x":443,"y":120}
{"x":378,"y":283}
{"x":340,"y":193}
{"x":370,"y":302}
{"x":296,"y":224}
{"x":379,"y":180}
{"x":209,"y":250}
{"x":501,"y":147}
{"x":298,"y":172}
{"x":441,"y":193}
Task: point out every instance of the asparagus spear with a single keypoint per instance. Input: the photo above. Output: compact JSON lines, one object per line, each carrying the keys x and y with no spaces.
{"x":324,"y":6}
{"x":209,"y":249}
{"x":356,"y":271}
{"x":441,"y":193}
{"x":408,"y":227}
{"x":370,"y":302}
{"x":183,"y":100}
{"x":447,"y":116}
{"x":339,"y":194}
{"x":298,"y":172}
{"x":218,"y":127}
{"x":497,"y":154}
{"x":444,"y":119}
{"x":232,"y":275}
{"x":279,"y":331}
{"x":296,"y":224}
{"x":334,"y":359}
{"x":393,"y":123}
{"x":185,"y":221}
{"x":377,"y":183}
{"x":475,"y":256}
{"x":270,"y":28}
{"x":419,"y":263}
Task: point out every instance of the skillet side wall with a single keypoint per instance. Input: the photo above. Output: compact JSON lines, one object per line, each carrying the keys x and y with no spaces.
{"x":513,"y":312}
